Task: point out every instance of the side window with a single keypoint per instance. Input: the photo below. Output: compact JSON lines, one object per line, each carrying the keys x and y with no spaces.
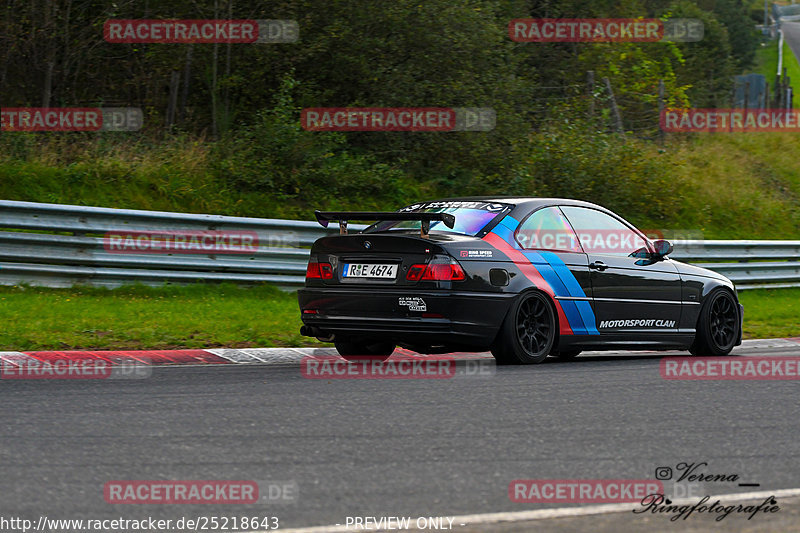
{"x":547,"y":229}
{"x":600,"y":233}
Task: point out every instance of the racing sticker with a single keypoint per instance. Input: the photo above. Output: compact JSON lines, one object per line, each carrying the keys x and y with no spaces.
{"x":640,"y":323}
{"x":413,"y":303}
{"x":476,"y":254}
{"x":456,"y":204}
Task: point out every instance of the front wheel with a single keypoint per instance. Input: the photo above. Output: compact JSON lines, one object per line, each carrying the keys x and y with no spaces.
{"x":528,"y":331}
{"x":718,"y":325}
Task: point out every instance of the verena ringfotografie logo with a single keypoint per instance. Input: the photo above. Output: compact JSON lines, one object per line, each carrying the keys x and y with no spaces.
{"x":71,"y":119}
{"x":181,"y":242}
{"x":730,"y":368}
{"x":730,"y":120}
{"x":582,"y":490}
{"x":692,"y":485}
{"x":396,"y":367}
{"x":200,"y":31}
{"x":604,"y":30}
{"x":26,"y":367}
{"x":199,"y":492}
{"x":681,"y":510}
{"x":417,"y":119}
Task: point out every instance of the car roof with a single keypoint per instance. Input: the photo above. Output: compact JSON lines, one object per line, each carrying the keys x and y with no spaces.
{"x":524,"y":205}
{"x":524,"y":202}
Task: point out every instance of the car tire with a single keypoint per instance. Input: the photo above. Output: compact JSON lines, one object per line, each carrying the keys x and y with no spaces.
{"x":566,"y":354}
{"x":718,"y":325}
{"x":528,"y":331}
{"x":359,"y":351}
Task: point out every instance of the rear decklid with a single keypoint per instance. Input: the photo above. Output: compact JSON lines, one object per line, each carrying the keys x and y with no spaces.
{"x":411,"y":247}
{"x":377,"y":259}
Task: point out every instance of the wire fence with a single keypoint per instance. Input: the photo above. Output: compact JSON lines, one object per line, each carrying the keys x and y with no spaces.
{"x":630,"y":112}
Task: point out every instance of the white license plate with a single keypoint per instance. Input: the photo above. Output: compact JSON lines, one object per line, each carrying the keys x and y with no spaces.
{"x":369,"y":270}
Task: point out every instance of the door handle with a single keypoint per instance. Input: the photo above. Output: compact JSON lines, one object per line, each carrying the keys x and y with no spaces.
{"x":598,"y":265}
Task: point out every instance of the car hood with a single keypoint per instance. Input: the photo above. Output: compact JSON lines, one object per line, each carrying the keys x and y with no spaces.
{"x":695,"y":270}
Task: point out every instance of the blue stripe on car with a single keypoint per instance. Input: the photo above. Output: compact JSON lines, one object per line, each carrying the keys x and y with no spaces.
{"x":556,"y":273}
{"x":505,"y":230}
{"x":574,"y":289}
{"x":552,"y":278}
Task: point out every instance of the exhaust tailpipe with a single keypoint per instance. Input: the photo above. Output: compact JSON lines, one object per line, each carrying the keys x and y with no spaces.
{"x":313,"y":331}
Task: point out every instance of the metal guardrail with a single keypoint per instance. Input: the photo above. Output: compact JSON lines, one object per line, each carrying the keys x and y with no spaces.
{"x":63,"y":245}
{"x":749,"y":264}
{"x":68,"y":247}
{"x":785,"y":13}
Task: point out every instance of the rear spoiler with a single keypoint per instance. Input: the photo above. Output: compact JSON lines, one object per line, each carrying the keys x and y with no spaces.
{"x":323,"y":217}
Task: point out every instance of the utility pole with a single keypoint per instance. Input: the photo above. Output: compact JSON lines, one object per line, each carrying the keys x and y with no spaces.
{"x":765,"y":14}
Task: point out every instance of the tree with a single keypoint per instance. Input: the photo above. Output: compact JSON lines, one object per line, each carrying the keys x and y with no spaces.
{"x":709,"y":65}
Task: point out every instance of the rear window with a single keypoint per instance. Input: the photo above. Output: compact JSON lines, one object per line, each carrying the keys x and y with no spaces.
{"x":471,"y":217}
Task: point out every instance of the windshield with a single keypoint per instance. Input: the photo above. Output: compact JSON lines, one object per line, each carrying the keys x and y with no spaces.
{"x":471,"y":217}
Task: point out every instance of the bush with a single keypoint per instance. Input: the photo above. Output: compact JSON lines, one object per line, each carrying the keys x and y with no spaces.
{"x":570,"y":159}
{"x":276,"y":157}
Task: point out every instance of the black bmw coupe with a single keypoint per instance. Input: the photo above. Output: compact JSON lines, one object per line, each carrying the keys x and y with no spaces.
{"x":522,"y":277}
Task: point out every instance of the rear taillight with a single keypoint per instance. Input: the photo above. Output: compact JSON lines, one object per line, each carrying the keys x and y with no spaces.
{"x":415,"y":272}
{"x":436,"y":272}
{"x":316,"y":270}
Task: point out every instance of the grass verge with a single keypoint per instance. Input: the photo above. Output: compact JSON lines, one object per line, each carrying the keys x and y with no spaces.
{"x":771,"y":313}
{"x":766,"y":63}
{"x":793,"y":72}
{"x":207,"y":316}
{"x":729,"y":186}
{"x":138,"y":318}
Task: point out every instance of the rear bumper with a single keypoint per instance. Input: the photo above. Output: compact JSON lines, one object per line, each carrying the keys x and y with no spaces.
{"x":438,"y":318}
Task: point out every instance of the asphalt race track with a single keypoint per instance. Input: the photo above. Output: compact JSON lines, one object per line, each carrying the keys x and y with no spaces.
{"x":407,"y":447}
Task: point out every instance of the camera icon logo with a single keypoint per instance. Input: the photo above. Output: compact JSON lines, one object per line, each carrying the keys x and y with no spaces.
{"x":663,"y":473}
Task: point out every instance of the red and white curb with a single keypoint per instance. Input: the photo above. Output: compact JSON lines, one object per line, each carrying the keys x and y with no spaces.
{"x":223,"y":356}
{"x":211,"y":356}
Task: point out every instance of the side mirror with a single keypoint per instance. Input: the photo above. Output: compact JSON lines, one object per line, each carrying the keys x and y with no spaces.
{"x":662,"y":248}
